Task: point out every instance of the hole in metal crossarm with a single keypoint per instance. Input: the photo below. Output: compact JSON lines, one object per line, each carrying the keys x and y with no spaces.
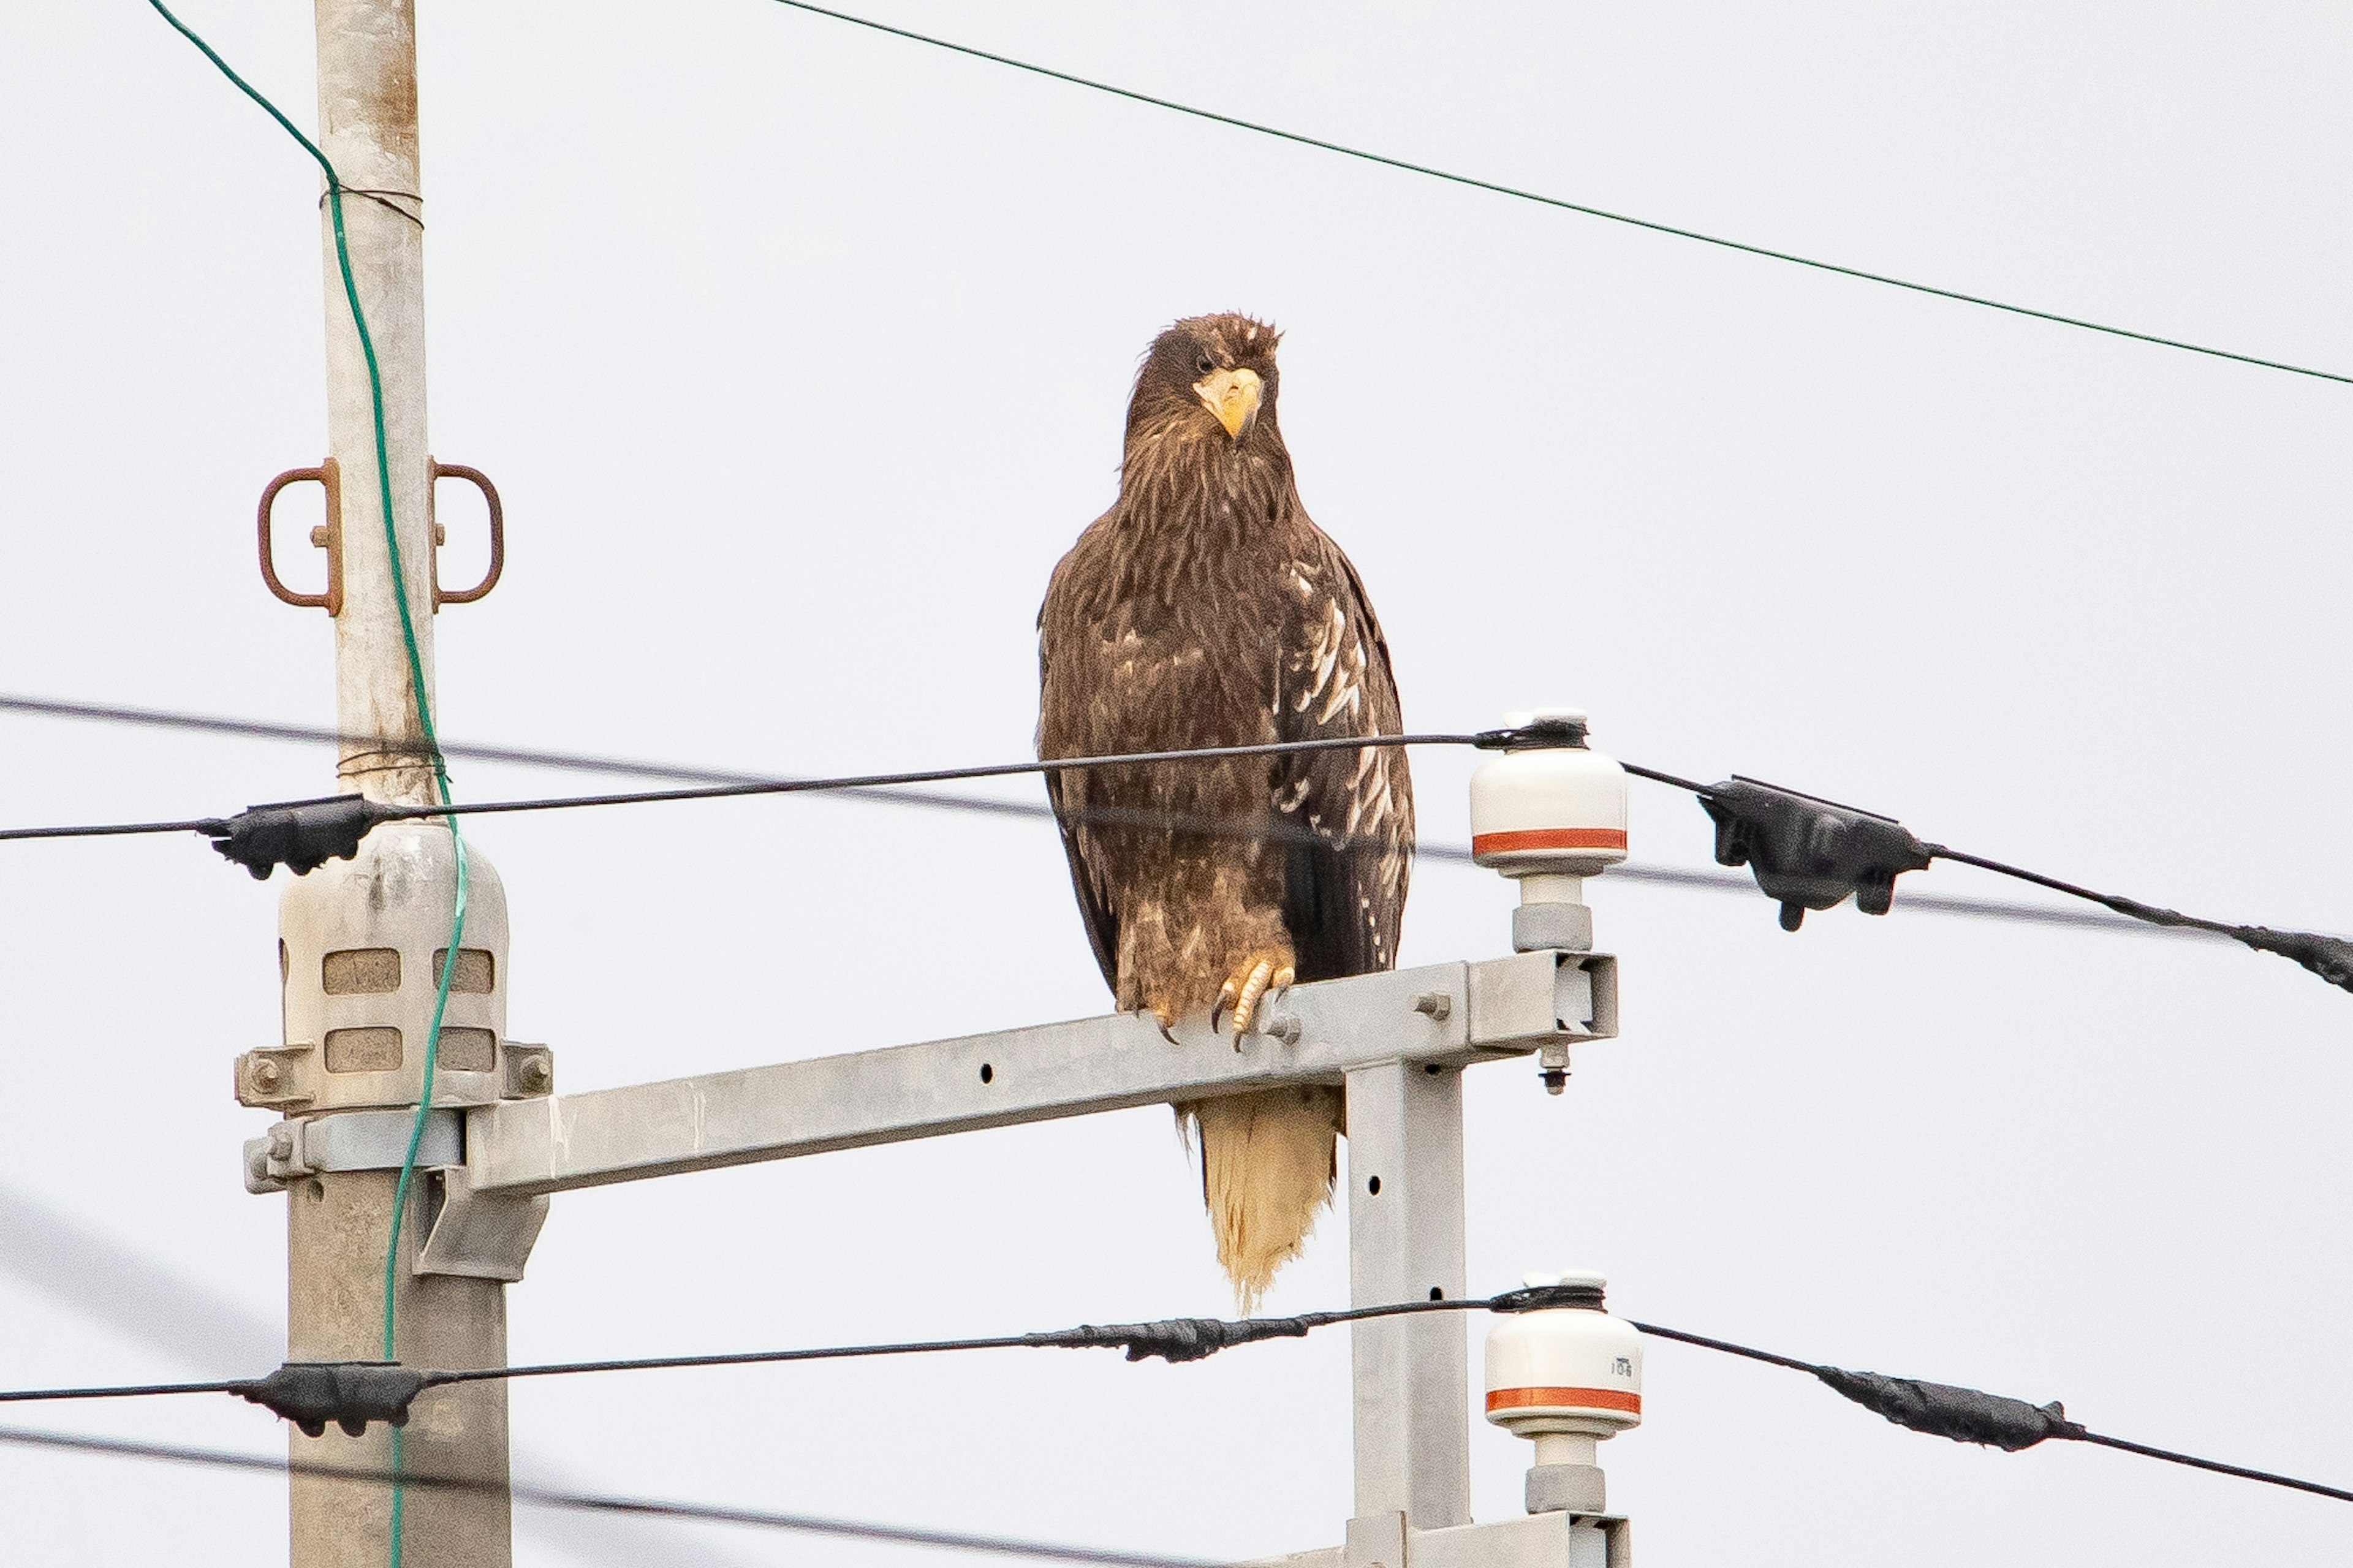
{"x":1436,"y":1294}
{"x":988,"y":1073}
{"x":1374,"y":1187}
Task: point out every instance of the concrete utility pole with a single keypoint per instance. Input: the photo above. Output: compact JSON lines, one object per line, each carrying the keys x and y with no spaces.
{"x":339,"y":1221}
{"x":367,"y":128}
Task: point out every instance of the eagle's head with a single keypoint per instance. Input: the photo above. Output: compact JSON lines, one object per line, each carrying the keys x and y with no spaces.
{"x":1209,"y":379}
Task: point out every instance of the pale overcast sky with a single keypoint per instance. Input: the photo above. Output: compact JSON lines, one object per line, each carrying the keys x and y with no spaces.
{"x":799,"y":355}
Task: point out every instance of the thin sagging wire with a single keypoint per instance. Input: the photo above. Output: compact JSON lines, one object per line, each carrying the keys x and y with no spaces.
{"x":1685,"y":879}
{"x":1943,"y":1410}
{"x":1517,"y":193}
{"x":606,"y":1504}
{"x":2260,"y":937}
{"x":1184,"y":1336}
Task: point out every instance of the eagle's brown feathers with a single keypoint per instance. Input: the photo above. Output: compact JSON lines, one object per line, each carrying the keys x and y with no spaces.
{"x":1205,"y":609}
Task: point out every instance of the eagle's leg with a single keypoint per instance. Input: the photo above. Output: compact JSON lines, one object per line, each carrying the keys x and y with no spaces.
{"x":1268,"y":969}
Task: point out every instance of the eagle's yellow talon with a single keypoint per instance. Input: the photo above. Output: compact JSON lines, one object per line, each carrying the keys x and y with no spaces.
{"x":1246,"y":1005}
{"x":1248,"y":985}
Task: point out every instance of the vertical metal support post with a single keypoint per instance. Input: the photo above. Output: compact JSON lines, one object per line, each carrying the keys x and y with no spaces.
{"x":339,"y":1223}
{"x":1405,"y":1244}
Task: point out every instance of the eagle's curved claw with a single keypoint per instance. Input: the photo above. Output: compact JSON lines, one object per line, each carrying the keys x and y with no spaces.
{"x":1250,"y":982}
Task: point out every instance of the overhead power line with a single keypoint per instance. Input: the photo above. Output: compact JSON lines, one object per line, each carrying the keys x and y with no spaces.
{"x":1970,"y":1415}
{"x":1805,"y":852}
{"x":104,"y":1281}
{"x":1516,"y":193}
{"x":610,"y":1505}
{"x":310,"y":1391}
{"x":353,"y":1394}
{"x":1813,"y":854}
{"x":855,"y":787}
{"x":525,"y":757}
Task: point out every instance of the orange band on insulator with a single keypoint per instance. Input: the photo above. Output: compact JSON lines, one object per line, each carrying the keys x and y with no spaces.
{"x":1571,"y":1398}
{"x":1549,"y":838}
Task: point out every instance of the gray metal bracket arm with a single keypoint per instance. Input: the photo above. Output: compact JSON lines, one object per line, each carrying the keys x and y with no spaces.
{"x":1443,"y":1016}
{"x":462,"y":1233}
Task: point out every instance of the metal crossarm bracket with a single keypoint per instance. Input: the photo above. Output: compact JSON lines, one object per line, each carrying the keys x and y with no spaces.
{"x":349,"y":1141}
{"x":1446,"y":1015}
{"x":1397,"y":1042}
{"x":1539,"y":1541}
{"x":475,"y":1236}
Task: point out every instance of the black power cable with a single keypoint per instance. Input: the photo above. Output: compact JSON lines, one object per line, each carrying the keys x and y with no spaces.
{"x":2216,"y":1466}
{"x":354,"y":1393}
{"x":1970,"y":1415}
{"x":595,"y":1503}
{"x":113,"y":829}
{"x":2329,"y":957}
{"x":258,"y":837}
{"x":1555,"y":202}
{"x":311,"y":1386}
{"x":1489,"y":740}
{"x":304,"y":833}
{"x":1809,"y":853}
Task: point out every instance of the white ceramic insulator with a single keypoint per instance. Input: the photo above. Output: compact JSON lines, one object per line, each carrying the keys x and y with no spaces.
{"x":1564,"y":1372}
{"x":1564,"y":1447}
{"x":1551,"y":887}
{"x":1548,"y":811}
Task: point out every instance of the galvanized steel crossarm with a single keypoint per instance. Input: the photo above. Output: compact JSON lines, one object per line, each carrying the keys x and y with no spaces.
{"x":1446,"y":1015}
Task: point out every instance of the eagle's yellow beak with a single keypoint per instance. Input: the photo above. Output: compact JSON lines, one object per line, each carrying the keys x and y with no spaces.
{"x":1232,"y":396}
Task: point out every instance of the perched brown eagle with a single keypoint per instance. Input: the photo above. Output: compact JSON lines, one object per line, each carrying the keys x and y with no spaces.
{"x":1205,"y":609}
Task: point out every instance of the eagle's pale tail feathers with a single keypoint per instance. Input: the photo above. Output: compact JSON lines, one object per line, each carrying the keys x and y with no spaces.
{"x":1267,"y":1165}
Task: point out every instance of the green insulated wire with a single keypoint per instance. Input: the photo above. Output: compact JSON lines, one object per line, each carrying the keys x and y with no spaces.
{"x":424,"y":714}
{"x":1557,"y":202}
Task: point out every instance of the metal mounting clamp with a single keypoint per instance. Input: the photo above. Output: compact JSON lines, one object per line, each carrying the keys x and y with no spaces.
{"x":349,"y":1141}
{"x":274,"y":1078}
{"x":328,"y":536}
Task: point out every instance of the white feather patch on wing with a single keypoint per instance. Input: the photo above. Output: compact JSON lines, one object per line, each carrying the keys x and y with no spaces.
{"x":1324,"y":657}
{"x":1348,"y":691}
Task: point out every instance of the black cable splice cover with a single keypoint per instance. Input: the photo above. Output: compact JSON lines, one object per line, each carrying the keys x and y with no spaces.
{"x":1963,"y":1415}
{"x":1543,"y":1298}
{"x":1810,"y":854}
{"x":351,"y":1394}
{"x":1172,"y":1339}
{"x":302,"y":835}
{"x":1550,"y":731}
{"x":2330,"y":957}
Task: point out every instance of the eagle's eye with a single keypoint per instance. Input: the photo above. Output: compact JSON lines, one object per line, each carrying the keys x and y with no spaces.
{"x":1203,"y":364}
